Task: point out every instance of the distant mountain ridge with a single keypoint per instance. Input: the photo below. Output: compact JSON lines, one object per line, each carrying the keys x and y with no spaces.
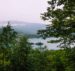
{"x":25,"y":27}
{"x":28,"y":28}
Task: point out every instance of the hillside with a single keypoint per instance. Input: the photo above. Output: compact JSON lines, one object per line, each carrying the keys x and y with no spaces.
{"x":29,"y":29}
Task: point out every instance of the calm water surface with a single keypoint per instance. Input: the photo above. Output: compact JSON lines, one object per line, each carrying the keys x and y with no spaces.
{"x":45,"y":43}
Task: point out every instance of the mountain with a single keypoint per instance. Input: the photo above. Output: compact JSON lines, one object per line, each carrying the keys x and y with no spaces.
{"x":27,"y":28}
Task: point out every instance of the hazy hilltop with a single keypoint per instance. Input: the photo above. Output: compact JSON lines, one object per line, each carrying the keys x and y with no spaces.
{"x":26,"y":28}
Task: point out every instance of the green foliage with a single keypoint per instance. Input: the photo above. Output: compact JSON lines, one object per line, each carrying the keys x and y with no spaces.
{"x":62,"y":26}
{"x":16,"y":54}
{"x":20,"y":56}
{"x":7,"y":38}
{"x":61,"y":16}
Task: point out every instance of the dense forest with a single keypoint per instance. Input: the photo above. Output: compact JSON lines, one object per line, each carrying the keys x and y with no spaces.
{"x":16,"y":53}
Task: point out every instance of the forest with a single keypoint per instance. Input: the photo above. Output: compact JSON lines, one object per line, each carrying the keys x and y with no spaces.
{"x":16,"y":53}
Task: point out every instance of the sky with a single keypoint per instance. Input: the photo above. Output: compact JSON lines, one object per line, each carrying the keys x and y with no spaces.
{"x":22,"y":10}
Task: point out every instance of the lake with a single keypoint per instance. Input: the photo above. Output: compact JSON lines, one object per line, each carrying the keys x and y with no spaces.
{"x":51,"y":46}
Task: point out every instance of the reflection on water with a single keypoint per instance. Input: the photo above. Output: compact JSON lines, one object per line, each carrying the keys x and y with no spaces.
{"x":49,"y":45}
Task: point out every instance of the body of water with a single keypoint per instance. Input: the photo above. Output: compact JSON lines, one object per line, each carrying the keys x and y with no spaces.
{"x":52,"y":46}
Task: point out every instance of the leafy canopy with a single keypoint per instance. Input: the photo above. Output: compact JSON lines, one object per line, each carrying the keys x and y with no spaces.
{"x":61,"y":16}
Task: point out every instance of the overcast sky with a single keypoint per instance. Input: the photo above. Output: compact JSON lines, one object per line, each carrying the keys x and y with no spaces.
{"x":22,"y":10}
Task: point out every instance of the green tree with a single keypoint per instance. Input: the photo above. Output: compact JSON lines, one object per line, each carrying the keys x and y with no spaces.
{"x":7,"y":38}
{"x":19,"y":58}
{"x":39,"y":59}
{"x":61,"y":16}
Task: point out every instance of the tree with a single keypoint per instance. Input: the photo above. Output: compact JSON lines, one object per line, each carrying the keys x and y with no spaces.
{"x":38,"y":60}
{"x":7,"y":38}
{"x":61,"y":16}
{"x":61,"y":13}
{"x":19,"y":59}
